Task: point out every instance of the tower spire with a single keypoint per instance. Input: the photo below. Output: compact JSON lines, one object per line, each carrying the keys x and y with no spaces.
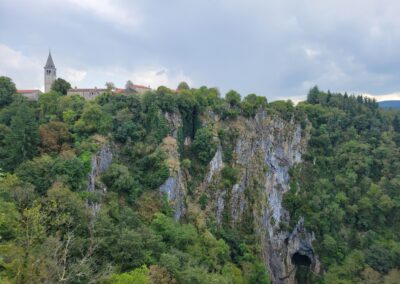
{"x":49,"y":63}
{"x":49,"y":73}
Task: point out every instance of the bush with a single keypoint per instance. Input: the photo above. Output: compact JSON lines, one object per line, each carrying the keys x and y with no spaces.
{"x":137,"y":276}
{"x":229,"y":176}
{"x":117,"y":178}
{"x":204,"y":146}
{"x":203,"y":201}
{"x":233,"y":98}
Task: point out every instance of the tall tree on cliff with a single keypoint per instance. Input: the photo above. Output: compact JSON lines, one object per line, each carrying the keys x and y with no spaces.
{"x":22,"y":141}
{"x":7,"y":89}
{"x":61,"y":86}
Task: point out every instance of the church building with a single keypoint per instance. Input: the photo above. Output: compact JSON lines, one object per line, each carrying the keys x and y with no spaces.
{"x":50,"y":76}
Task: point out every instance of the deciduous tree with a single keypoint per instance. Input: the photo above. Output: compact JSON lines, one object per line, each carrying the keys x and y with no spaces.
{"x":7,"y":89}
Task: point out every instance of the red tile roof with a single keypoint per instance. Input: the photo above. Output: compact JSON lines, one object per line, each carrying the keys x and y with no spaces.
{"x":119,"y":90}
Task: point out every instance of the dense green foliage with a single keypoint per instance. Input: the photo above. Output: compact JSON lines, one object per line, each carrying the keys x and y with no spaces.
{"x":48,"y":230}
{"x":61,"y":86}
{"x":348,"y":187}
{"x":7,"y":89}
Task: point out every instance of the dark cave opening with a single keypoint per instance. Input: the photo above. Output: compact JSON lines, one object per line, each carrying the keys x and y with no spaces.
{"x":302,"y":263}
{"x":301,"y":260}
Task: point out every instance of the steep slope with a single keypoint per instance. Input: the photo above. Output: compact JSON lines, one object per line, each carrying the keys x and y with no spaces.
{"x":188,"y":187}
{"x":265,"y":149}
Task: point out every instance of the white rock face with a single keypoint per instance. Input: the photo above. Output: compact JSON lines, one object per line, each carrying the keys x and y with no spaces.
{"x":175,"y":189}
{"x":216,"y":164}
{"x":175,"y":186}
{"x":175,"y":121}
{"x":220,"y":207}
{"x":100,"y":163}
{"x":187,"y":141}
{"x":266,"y":151}
{"x":237,"y":202}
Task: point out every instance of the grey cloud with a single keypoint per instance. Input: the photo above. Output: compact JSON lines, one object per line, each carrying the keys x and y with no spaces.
{"x":273,"y":48}
{"x":161,"y":72}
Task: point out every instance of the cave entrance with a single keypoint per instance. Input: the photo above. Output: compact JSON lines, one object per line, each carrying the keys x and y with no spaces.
{"x":301,"y":260}
{"x":303,"y":272}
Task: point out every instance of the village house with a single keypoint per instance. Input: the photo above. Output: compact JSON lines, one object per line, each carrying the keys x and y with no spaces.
{"x":32,"y":95}
{"x":50,"y":76}
{"x":92,"y":93}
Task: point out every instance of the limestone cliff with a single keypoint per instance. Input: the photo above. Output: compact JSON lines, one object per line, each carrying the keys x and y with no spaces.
{"x":99,"y":163}
{"x":263,"y":152}
{"x":175,"y":186}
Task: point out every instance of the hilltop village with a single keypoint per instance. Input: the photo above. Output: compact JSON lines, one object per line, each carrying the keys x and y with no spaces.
{"x":50,"y":76}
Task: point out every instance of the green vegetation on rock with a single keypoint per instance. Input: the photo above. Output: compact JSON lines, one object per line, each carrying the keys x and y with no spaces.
{"x":347,"y":189}
{"x":54,"y":229}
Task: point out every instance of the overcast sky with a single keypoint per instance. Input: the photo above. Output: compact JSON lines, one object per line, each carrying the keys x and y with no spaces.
{"x":278,"y":49}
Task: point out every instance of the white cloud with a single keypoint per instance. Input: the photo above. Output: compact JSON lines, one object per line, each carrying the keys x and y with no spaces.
{"x":155,"y":77}
{"x":311,"y":52}
{"x":147,"y":76}
{"x":11,"y":59}
{"x":111,"y":11}
{"x":286,"y":46}
{"x":25,"y":72}
{"x":75,"y":76}
{"x":384,"y":97}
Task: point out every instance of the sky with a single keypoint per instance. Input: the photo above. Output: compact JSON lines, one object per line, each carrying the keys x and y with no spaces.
{"x":278,"y":49}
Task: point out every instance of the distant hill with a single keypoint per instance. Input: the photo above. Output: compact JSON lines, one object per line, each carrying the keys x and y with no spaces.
{"x":390,"y":104}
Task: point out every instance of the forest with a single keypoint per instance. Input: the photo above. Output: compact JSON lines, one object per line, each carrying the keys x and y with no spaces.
{"x":346,"y":188}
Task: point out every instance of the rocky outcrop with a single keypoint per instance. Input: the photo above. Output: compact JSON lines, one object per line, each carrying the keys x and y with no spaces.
{"x":100,"y":163}
{"x":175,"y":186}
{"x":216,"y":164}
{"x":265,"y":151}
{"x":300,"y":251}
{"x":174,"y":121}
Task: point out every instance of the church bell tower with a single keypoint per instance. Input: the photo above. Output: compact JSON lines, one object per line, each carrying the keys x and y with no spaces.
{"x":49,"y":73}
